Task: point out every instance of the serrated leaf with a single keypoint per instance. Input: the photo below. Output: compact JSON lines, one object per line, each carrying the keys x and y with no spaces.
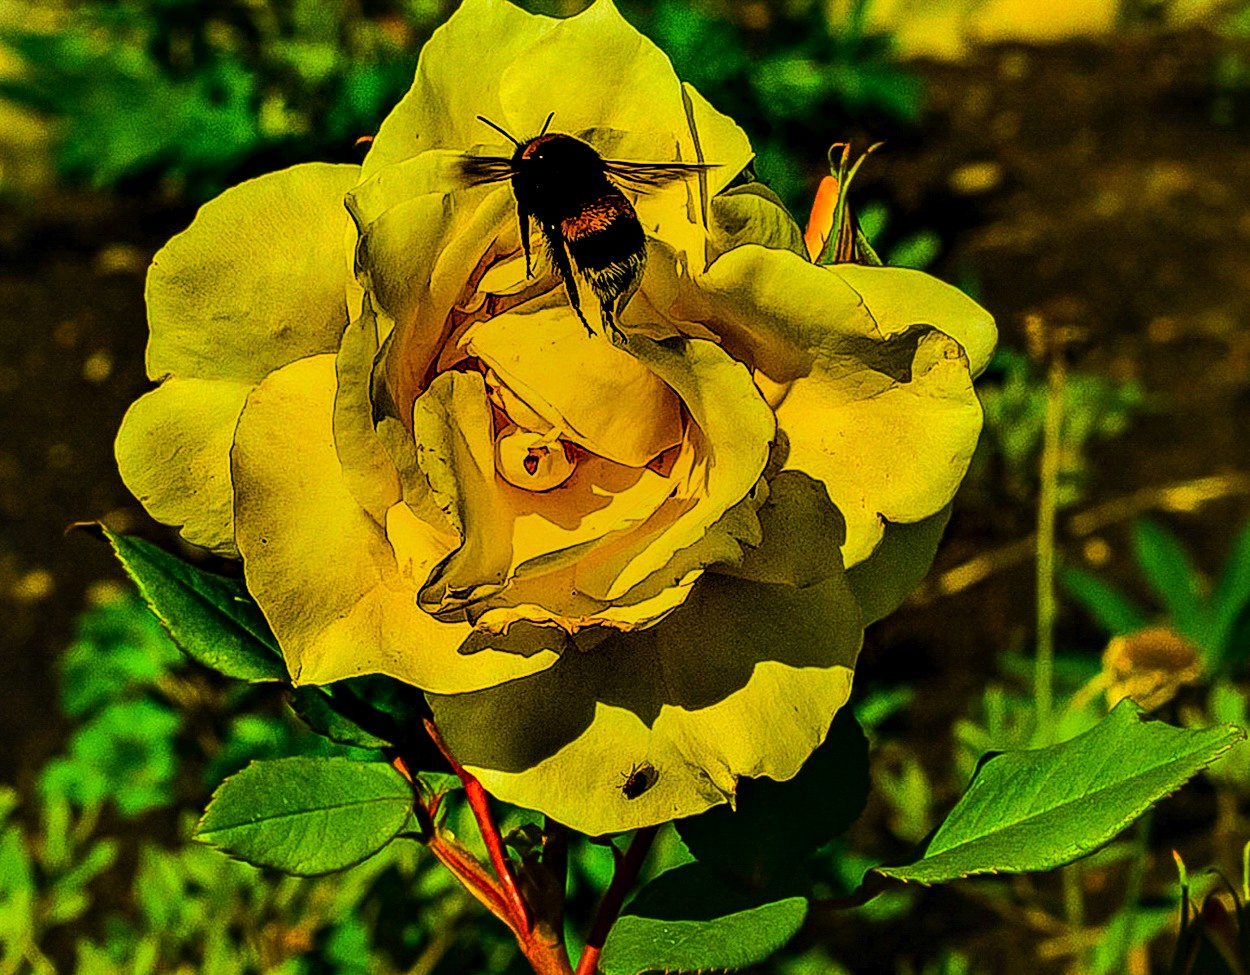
{"x":373,"y":709}
{"x":776,"y":825}
{"x":212,"y":619}
{"x":316,"y":708}
{"x":1171,"y":574}
{"x":687,"y":920}
{"x":1042,"y":808}
{"x":307,"y":816}
{"x":1117,"y":614}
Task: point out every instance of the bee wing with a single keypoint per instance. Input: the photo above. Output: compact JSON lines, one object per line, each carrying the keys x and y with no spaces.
{"x":477,"y":170}
{"x":646,"y":175}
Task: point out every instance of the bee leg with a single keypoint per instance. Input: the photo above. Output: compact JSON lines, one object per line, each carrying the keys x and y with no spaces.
{"x":618,"y":337}
{"x":561,"y":258}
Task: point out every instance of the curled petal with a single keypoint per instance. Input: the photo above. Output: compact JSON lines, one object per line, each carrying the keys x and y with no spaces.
{"x":338,"y":592}
{"x":589,"y":390}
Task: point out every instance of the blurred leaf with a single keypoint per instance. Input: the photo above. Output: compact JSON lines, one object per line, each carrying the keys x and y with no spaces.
{"x":1114,"y":611}
{"x":120,"y":646}
{"x":1230,"y":599}
{"x":918,"y":251}
{"x":68,"y":901}
{"x":1125,"y":932}
{"x":688,"y":920}
{"x":212,"y":618}
{"x":777,"y":825}
{"x":1039,"y":809}
{"x":878,"y":705}
{"x":307,"y":816}
{"x":124,"y":753}
{"x":1167,"y":567}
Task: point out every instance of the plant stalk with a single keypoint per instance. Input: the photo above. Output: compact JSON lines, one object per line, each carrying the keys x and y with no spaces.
{"x":623,"y":878}
{"x":1047,"y":506}
{"x":480,"y":804}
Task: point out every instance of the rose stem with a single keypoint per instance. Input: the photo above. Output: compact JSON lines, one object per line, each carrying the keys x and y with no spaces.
{"x":462,"y":864}
{"x":480,"y":805}
{"x":623,"y":878}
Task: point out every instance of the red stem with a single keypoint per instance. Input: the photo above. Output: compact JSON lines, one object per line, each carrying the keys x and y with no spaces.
{"x":480,"y":805}
{"x":623,"y":878}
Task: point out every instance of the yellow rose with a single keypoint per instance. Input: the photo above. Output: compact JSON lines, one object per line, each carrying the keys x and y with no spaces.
{"x":593,"y":557}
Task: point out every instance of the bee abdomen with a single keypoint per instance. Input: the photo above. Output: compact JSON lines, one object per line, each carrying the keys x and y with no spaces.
{"x":603,"y":233}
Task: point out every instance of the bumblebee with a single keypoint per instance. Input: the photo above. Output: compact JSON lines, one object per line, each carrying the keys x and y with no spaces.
{"x":587,"y":221}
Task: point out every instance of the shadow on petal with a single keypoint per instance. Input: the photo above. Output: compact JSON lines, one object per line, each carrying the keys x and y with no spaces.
{"x":700,"y":656}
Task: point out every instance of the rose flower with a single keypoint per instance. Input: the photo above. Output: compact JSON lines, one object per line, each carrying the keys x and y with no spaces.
{"x":595,"y":557}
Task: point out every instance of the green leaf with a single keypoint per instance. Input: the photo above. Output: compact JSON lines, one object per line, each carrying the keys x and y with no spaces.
{"x":212,"y":618}
{"x":316,"y":708}
{"x":307,"y":816}
{"x":688,"y":920}
{"x":1114,"y":611}
{"x":1231,"y":596}
{"x":370,"y":712}
{"x":1039,"y":809}
{"x":1172,"y":576}
{"x":779,"y":824}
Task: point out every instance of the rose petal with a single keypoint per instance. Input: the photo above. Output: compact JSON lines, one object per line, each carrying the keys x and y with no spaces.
{"x":323,"y":571}
{"x":256,"y":281}
{"x":458,"y":78}
{"x":877,"y":404}
{"x":742,"y":680}
{"x":777,"y":311}
{"x":173,"y":451}
{"x":893,"y":571}
{"x":753,"y":214}
{"x":592,"y":392}
{"x":505,"y":528}
{"x":368,"y":470}
{"x":886,"y":448}
{"x":731,"y":430}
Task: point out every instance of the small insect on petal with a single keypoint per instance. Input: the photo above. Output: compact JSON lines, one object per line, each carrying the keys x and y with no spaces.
{"x":639,"y":779}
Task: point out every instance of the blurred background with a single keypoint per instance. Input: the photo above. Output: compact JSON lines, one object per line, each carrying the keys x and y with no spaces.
{"x":1081,"y":167}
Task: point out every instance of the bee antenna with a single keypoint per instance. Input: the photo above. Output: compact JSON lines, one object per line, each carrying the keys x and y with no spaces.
{"x":502,"y":131}
{"x":547,"y":123}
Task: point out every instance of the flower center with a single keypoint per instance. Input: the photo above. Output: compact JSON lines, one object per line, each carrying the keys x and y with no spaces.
{"x":531,"y":460}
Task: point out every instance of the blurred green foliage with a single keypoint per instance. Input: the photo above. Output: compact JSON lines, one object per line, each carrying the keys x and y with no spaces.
{"x":196,"y":94}
{"x":1212,"y":615}
{"x":1013,"y":396}
{"x":191,"y":91}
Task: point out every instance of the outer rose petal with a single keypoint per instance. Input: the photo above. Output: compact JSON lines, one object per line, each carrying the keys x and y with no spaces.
{"x":458,"y":77}
{"x":875,"y":402}
{"x":323,"y":571}
{"x":256,"y":281}
{"x":741,"y":680}
{"x":886,"y":449}
{"x":888,"y":576}
{"x":173,"y":451}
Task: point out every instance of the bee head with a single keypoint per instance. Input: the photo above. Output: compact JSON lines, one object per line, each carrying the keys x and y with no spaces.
{"x":557,"y":162}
